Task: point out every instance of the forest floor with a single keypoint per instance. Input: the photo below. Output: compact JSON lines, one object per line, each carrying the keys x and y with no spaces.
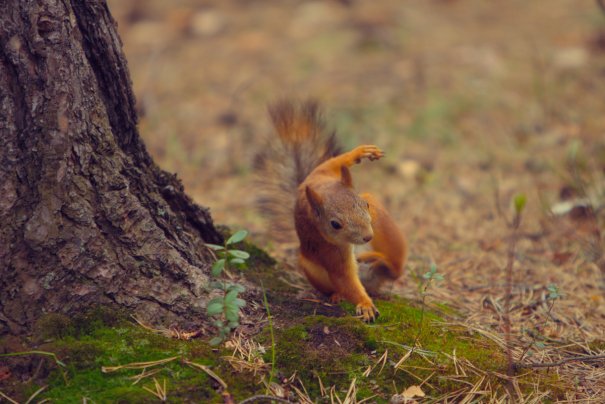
{"x":474,"y":103}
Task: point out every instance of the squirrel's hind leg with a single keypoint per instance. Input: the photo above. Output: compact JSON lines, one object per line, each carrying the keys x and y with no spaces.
{"x":379,"y":270}
{"x":389,"y":247}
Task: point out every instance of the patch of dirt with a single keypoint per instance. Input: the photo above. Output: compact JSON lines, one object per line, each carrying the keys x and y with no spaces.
{"x":288,"y":308}
{"x":333,"y":341}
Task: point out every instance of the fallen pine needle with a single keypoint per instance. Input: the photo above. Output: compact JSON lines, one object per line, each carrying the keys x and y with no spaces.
{"x":144,"y":374}
{"x":8,"y":398}
{"x":208,"y":372}
{"x":561,"y":362}
{"x":137,"y":365}
{"x":29,"y":400}
{"x":160,"y":391}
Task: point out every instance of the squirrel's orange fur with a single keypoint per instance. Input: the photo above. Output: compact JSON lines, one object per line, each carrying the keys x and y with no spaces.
{"x":330,"y":217}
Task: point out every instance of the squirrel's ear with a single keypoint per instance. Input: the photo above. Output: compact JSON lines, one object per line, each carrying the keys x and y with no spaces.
{"x":345,"y":176}
{"x":314,"y":199}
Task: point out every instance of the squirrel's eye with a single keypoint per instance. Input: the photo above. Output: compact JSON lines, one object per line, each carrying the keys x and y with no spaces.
{"x":336,"y":225}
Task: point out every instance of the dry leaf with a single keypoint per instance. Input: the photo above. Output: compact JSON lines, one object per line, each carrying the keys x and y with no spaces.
{"x":413,"y":391}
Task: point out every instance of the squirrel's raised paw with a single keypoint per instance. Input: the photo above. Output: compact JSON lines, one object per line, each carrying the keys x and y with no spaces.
{"x":370,"y":152}
{"x":367,"y":311}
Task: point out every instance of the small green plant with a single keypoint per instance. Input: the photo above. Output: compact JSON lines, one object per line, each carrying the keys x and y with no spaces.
{"x":519,"y":203}
{"x":431,"y":275}
{"x":428,"y":278}
{"x":225,"y":309}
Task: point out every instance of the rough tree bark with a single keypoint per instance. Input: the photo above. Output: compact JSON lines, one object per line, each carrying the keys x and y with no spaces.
{"x":86,"y":217}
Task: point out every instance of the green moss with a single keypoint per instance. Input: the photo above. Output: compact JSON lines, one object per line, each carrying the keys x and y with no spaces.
{"x":444,"y":309}
{"x":86,"y":352}
{"x":262,"y":269}
{"x":53,"y":326}
{"x":338,"y":349}
{"x":315,"y":341}
{"x":332,"y":349}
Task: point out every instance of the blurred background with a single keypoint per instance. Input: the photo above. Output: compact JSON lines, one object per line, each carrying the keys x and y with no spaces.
{"x":473,"y":101}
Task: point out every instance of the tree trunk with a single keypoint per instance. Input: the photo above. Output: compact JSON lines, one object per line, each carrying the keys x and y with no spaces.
{"x":86,"y":217}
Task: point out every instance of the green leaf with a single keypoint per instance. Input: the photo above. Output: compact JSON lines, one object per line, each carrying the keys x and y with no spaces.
{"x":215,"y":247}
{"x":214,"y":309}
{"x":520,"y":201}
{"x":232,"y":313}
{"x":216,"y":285}
{"x":218,"y":299}
{"x":231,"y":296}
{"x":240,"y":302}
{"x":438,"y":277}
{"x":427,"y":275}
{"x":215,"y":341}
{"x":236,"y":286}
{"x":554,"y":291}
{"x":234,"y":324}
{"x":237,"y":237}
{"x":239,"y":254}
{"x":237,"y":261}
{"x":218,"y":267}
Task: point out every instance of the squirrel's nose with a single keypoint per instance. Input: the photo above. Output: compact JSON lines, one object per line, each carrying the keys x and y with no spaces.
{"x":367,"y":238}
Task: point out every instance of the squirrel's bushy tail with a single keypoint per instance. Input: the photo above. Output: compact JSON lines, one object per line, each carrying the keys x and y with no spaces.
{"x":283,"y":165}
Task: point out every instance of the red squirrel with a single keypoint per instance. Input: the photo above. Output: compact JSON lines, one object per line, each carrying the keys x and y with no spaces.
{"x":330,"y":217}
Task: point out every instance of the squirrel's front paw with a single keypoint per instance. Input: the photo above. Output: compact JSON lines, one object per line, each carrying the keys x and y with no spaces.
{"x":367,"y":311}
{"x":370,"y":152}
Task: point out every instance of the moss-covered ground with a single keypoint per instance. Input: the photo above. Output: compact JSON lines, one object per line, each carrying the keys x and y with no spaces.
{"x":85,"y":348}
{"x":323,"y":350}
